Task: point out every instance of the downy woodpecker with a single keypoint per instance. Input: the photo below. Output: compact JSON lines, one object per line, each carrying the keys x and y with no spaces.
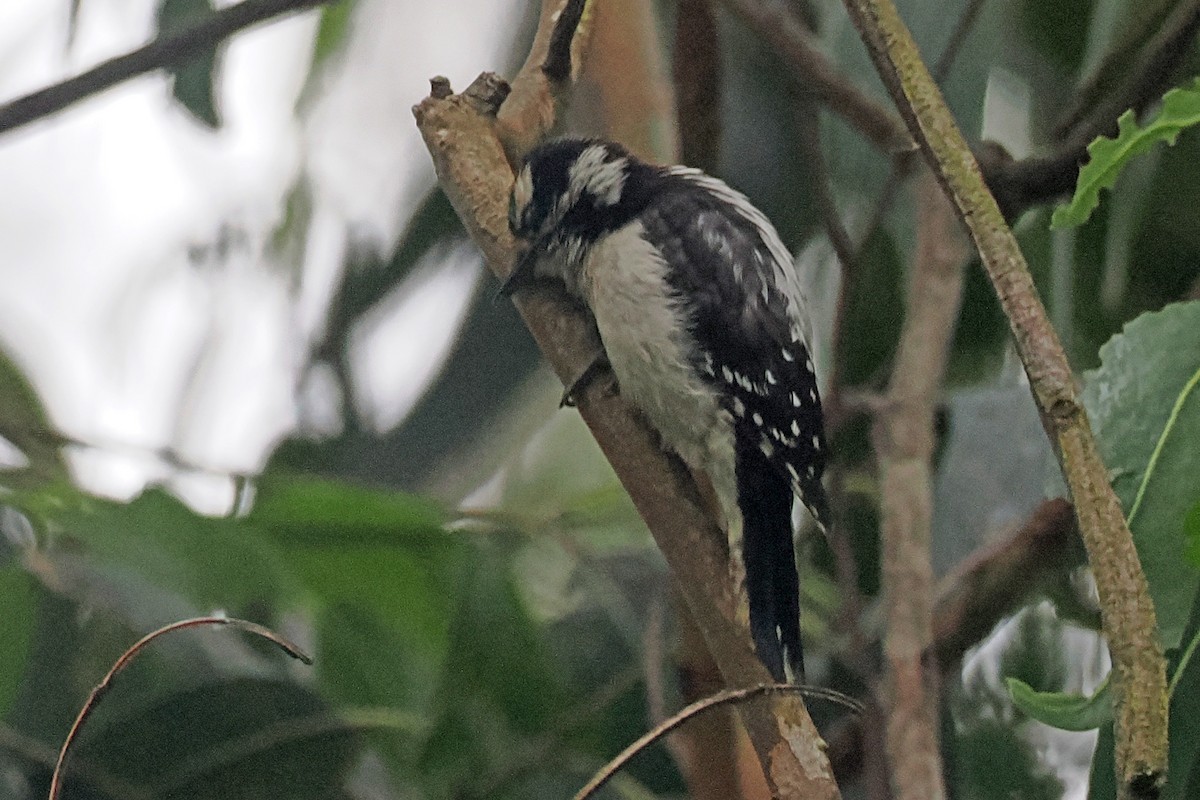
{"x":707,"y":332}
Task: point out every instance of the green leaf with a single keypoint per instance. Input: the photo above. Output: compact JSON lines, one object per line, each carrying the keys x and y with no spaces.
{"x":304,"y":510}
{"x":1145,"y":409}
{"x":1180,"y":110}
{"x":23,"y":422}
{"x":382,"y":575}
{"x":1183,"y":780}
{"x":17,"y":610}
{"x":331,"y":32}
{"x":245,"y":738}
{"x":873,"y":311}
{"x":1070,"y":712}
{"x":153,"y":560}
{"x":1191,"y":527}
{"x":1102,"y":783}
{"x":192,"y":80}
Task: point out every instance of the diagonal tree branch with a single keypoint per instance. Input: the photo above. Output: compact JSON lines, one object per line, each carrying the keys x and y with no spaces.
{"x":473,"y":140}
{"x":162,"y":52}
{"x":1139,"y":670}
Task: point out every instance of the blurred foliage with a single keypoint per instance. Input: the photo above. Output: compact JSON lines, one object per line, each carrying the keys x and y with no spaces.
{"x":501,"y":646}
{"x":193,"y":82}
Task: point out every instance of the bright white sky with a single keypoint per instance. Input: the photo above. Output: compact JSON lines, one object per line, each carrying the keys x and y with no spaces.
{"x":135,"y":347}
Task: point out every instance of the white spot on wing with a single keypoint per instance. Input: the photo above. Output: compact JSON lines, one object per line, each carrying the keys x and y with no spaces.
{"x":786,"y":280}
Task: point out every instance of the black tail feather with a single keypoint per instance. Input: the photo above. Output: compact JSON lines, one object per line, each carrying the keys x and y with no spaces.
{"x":768,"y":550}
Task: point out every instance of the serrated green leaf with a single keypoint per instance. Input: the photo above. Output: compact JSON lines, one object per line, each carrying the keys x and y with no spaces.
{"x":1070,"y":712}
{"x":1180,"y":110}
{"x":1145,"y":409}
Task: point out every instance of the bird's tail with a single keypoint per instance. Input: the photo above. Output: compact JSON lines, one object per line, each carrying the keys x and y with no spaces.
{"x":772,"y":583}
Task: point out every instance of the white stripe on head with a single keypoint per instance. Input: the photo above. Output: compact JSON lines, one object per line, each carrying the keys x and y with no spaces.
{"x":522,"y":194}
{"x":593,"y":174}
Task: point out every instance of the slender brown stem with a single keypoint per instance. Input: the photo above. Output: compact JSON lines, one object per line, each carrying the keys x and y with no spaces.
{"x":795,"y":45}
{"x":1139,"y":670}
{"x":699,"y":707}
{"x":102,"y":688}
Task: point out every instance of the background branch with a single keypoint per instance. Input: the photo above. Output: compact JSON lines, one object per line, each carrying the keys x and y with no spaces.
{"x":904,"y":440}
{"x":988,"y":586}
{"x":164,"y":51}
{"x":1144,"y":76}
{"x":1139,"y":671}
{"x":817,"y":75}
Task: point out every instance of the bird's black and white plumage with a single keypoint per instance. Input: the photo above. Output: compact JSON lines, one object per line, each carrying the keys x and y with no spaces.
{"x":707,"y":331}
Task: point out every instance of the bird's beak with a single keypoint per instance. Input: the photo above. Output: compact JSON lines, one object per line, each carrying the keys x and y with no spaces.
{"x":523,"y":273}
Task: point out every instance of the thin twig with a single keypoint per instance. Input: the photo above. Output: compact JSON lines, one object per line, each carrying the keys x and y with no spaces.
{"x":699,"y":707}
{"x":164,"y":51}
{"x":901,"y":167}
{"x":1127,"y":611}
{"x":102,"y":688}
{"x":814,"y":73}
{"x":995,"y":580}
